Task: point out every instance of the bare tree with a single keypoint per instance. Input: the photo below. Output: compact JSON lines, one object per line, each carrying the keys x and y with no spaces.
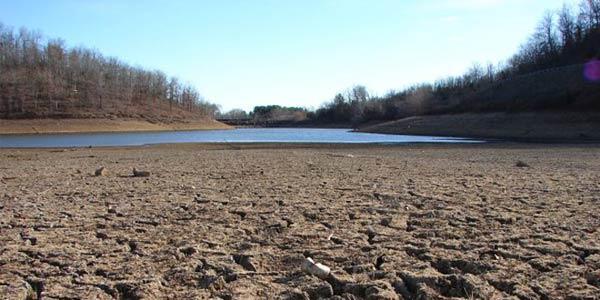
{"x":567,"y":27}
{"x":48,"y":79}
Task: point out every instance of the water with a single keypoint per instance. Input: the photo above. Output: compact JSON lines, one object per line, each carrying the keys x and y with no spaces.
{"x":243,"y":135}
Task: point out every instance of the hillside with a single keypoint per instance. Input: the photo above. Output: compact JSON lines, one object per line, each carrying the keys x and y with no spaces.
{"x":557,"y":70}
{"x":44,"y":79}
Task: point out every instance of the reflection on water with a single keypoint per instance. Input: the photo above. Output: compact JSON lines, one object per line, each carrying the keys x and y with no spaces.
{"x":244,"y":135}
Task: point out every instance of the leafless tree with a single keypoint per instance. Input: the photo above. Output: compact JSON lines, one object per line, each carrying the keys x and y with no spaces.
{"x":44,"y":79}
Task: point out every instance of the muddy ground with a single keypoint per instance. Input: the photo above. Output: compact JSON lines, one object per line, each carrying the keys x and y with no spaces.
{"x":237,"y":222}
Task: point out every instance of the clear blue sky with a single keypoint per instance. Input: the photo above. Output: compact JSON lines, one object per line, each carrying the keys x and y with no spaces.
{"x":244,"y":53}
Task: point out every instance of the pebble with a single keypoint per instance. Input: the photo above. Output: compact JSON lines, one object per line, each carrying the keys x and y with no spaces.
{"x":102,"y":171}
{"x":139,"y":173}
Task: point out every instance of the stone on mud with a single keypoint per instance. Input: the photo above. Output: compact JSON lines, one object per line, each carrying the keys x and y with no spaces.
{"x":102,"y":171}
{"x":140,"y":173}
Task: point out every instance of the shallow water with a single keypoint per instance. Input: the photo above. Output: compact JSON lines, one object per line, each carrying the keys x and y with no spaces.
{"x":242,"y":135}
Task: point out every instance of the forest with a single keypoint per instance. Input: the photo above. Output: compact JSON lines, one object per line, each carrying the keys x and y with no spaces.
{"x":42,"y":77}
{"x":547,"y":73}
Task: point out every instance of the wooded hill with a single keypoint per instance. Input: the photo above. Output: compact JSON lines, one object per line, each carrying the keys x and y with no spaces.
{"x":41,"y":79}
{"x":553,"y":71}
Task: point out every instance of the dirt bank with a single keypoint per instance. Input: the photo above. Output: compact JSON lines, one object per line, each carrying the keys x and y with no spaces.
{"x":517,"y":126}
{"x":32,"y":126}
{"x":237,"y":222}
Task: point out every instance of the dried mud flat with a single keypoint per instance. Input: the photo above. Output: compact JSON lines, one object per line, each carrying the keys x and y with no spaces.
{"x":237,"y":222}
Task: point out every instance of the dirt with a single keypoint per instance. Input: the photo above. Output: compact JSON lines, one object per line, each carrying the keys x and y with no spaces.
{"x":238,"y":222}
{"x":534,"y":126}
{"x":34,"y":126}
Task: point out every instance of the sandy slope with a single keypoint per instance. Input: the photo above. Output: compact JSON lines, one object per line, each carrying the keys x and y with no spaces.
{"x":521,"y":126}
{"x":236,"y":222}
{"x":99,"y":125}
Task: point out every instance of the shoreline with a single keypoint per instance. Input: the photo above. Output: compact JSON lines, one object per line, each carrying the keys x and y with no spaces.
{"x":75,"y":126}
{"x":217,"y":146}
{"x":546,"y":127}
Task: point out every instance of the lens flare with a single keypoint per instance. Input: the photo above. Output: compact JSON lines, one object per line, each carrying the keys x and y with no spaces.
{"x":592,"y":70}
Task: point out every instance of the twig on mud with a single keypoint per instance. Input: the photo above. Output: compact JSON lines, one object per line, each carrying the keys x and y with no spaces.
{"x":346,"y":189}
{"x":274,"y":273}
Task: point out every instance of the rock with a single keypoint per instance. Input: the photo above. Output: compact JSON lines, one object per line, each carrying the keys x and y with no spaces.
{"x":190,"y":250}
{"x":522,"y":164}
{"x":319,"y":270}
{"x":245,"y":261}
{"x":102,"y":171}
{"x":101,"y":235}
{"x":386,"y":221}
{"x":139,"y":173}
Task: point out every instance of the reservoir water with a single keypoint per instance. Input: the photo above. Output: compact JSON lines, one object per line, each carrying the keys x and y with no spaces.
{"x":241,"y":135}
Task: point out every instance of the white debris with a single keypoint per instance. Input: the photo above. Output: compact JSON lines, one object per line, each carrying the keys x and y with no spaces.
{"x":317,"y":269}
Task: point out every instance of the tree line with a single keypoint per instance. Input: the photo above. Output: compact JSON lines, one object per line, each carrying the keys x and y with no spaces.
{"x":41,"y":78}
{"x":566,"y":37}
{"x":267,"y":114}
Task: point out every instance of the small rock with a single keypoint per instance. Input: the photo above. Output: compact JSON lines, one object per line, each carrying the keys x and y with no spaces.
{"x":245,"y":261}
{"x":522,"y":164}
{"x":139,"y":173}
{"x":102,"y":171}
{"x":101,"y":235}
{"x":188,"y":250}
{"x":386,"y":221}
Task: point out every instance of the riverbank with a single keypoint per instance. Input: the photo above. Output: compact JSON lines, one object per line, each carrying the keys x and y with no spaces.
{"x":535,"y":127}
{"x":238,"y":221}
{"x":38,"y":126}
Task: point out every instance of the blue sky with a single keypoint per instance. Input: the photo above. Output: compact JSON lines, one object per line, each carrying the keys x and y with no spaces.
{"x":242,"y":53}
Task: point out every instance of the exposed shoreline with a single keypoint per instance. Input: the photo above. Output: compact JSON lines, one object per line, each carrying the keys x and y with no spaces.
{"x":47,"y":126}
{"x":521,"y":127}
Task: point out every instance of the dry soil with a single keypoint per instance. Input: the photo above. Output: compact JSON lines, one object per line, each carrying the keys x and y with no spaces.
{"x":237,"y":222}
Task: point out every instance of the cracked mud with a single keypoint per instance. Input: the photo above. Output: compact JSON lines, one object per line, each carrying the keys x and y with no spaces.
{"x":237,"y":222}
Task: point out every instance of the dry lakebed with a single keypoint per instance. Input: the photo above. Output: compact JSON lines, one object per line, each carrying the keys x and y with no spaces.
{"x":225,"y":221}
